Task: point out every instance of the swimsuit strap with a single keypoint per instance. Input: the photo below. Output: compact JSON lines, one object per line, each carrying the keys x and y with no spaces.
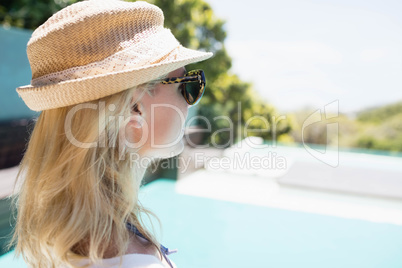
{"x":165,"y":251}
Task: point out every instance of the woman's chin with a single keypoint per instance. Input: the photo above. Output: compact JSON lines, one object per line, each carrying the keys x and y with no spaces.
{"x":169,"y":152}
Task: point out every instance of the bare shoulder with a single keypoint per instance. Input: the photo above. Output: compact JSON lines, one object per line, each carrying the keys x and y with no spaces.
{"x":138,"y":245}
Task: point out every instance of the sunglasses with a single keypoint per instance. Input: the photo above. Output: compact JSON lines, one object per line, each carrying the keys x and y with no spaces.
{"x":192,"y":85}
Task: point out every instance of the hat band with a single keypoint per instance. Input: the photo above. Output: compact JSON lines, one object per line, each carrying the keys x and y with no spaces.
{"x":150,"y":51}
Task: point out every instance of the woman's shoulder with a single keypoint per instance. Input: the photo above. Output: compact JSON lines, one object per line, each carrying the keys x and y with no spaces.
{"x":128,"y":261}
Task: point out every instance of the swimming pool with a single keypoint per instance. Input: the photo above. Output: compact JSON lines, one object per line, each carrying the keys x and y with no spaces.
{"x":215,"y":233}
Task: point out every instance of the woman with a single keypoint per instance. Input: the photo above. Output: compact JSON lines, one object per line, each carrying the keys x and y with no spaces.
{"x":111,"y":85}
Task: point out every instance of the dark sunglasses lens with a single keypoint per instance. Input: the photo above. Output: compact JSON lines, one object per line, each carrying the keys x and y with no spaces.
{"x":192,"y":91}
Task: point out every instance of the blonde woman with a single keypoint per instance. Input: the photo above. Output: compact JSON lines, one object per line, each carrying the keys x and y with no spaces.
{"x":110,"y":82}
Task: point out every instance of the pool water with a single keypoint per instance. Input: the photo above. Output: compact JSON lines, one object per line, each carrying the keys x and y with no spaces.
{"x":213,"y":233}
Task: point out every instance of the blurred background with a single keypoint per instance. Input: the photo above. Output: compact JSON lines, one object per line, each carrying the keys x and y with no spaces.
{"x":314,"y":84}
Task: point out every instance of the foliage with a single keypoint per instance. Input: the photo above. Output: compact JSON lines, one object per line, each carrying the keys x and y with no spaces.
{"x":386,"y":135}
{"x":315,"y":133}
{"x":380,"y":114}
{"x":238,"y":111}
{"x":29,"y":14}
{"x":381,"y":128}
{"x":378,"y":129}
{"x":194,"y":24}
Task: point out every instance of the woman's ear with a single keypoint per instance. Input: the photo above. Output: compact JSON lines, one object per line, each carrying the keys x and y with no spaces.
{"x":136,"y":125}
{"x":136,"y":118}
{"x":136,"y":121}
{"x":135,"y":108}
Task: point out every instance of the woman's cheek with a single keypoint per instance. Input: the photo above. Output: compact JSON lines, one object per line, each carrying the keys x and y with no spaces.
{"x":171,"y":126}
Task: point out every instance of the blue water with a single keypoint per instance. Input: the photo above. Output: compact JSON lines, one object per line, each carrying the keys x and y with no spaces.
{"x":211,"y":233}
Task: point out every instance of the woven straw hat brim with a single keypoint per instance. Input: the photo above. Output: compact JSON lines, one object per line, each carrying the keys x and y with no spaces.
{"x":90,"y":88}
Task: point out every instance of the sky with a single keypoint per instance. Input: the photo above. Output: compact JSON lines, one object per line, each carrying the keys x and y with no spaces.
{"x":309,"y":53}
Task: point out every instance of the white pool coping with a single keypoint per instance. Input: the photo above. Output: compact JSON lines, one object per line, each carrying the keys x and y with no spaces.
{"x":263,"y":191}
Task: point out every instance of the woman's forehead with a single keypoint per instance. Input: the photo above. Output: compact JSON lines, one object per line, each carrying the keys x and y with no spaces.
{"x":178,"y":72}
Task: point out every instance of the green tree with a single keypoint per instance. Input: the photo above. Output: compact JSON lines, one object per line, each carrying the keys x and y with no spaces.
{"x":29,"y":14}
{"x":380,"y":114}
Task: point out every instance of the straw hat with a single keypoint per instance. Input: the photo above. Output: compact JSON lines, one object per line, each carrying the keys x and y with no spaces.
{"x":96,"y":48}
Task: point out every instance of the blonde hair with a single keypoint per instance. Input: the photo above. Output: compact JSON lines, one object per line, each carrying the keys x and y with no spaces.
{"x":71,"y":194}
